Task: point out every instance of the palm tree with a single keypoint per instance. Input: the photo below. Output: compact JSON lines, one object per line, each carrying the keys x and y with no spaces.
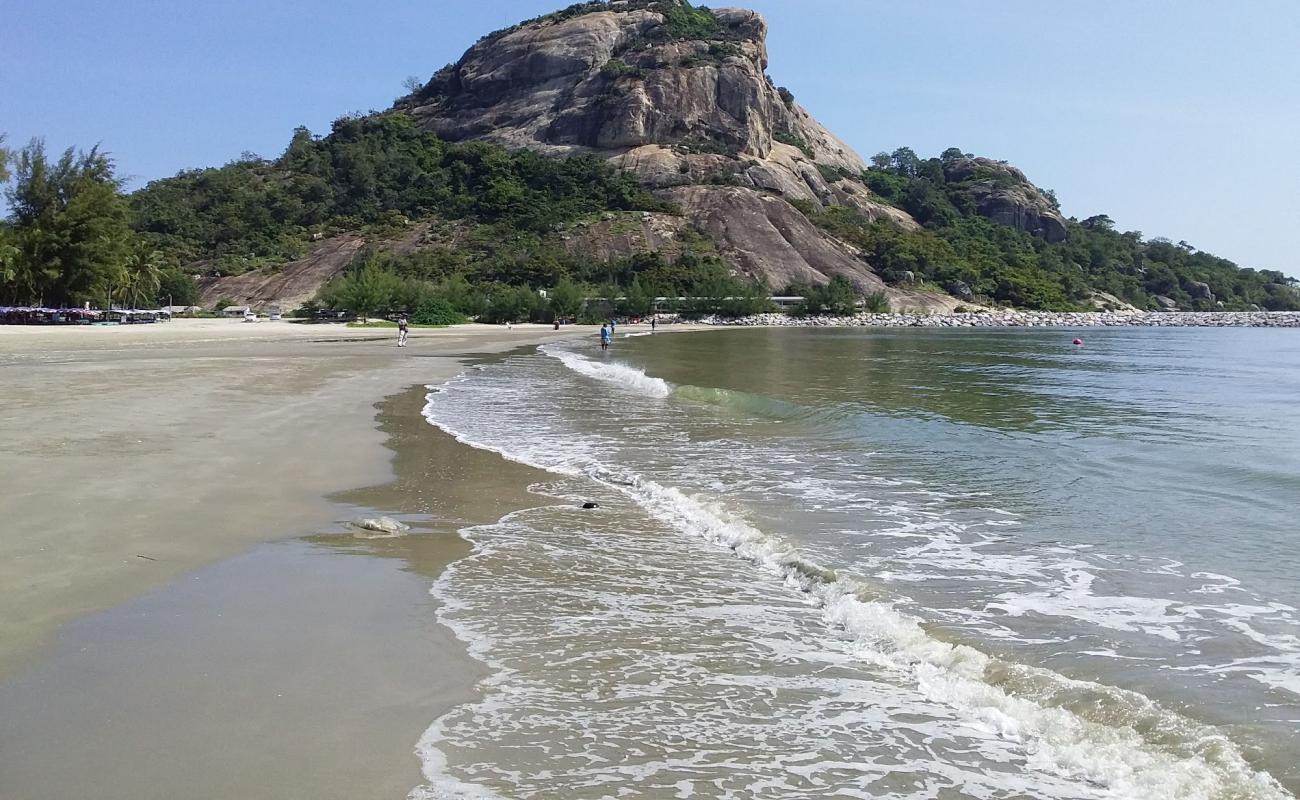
{"x":144,"y":270}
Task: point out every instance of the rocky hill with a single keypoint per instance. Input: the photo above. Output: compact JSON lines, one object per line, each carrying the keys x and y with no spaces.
{"x":644,"y":140}
{"x":681,"y":98}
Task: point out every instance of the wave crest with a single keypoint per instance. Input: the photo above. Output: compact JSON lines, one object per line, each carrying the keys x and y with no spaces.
{"x":613,"y":372}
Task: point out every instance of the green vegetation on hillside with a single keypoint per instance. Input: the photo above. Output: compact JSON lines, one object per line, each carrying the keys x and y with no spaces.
{"x":681,"y":19}
{"x":963,"y":252}
{"x":436,"y":290}
{"x":494,"y":229}
{"x":500,"y":213}
{"x":376,"y":170}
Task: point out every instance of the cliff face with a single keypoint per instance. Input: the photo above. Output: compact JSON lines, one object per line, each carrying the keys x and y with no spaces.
{"x":623,"y":84}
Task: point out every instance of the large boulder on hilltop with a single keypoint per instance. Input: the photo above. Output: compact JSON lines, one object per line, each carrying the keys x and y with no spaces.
{"x":1004,"y":195}
{"x":695,"y":118}
{"x":619,"y":79}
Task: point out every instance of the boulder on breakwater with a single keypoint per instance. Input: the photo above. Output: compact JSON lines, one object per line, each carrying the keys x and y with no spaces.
{"x":1027,"y":319}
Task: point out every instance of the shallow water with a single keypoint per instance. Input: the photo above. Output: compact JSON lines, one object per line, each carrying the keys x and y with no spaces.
{"x":885,"y":563}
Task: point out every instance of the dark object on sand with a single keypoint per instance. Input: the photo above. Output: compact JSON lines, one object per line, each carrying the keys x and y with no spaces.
{"x":591,"y":505}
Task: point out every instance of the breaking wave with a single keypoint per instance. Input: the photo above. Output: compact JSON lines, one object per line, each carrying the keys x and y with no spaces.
{"x":1084,"y":731}
{"x":629,"y":378}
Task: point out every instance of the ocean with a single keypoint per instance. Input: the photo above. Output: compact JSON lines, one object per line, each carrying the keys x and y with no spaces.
{"x":883,"y":563}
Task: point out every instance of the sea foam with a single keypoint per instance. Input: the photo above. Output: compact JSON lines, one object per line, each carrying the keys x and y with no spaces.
{"x":629,"y":378}
{"x":1084,"y":731}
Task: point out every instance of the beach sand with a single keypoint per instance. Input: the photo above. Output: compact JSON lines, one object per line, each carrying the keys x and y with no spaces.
{"x":305,"y":668}
{"x":141,"y":655}
{"x":131,"y":455}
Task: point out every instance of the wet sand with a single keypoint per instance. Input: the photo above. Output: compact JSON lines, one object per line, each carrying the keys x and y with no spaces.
{"x":132,"y":455}
{"x":305,"y":668}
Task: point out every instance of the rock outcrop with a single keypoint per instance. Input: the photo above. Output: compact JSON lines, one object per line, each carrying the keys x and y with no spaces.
{"x":288,"y":287}
{"x":1200,"y":291}
{"x":694,"y":116}
{"x":680,"y":97}
{"x":1004,"y":195}
{"x":295,"y":283}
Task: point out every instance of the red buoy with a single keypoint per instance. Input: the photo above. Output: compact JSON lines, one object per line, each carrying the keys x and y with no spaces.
{"x":1078,"y":341}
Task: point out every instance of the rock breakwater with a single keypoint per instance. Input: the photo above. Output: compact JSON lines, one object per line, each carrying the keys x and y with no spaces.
{"x":1028,"y":319}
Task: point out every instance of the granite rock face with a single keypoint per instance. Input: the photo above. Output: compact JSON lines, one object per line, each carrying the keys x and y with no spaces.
{"x":1004,"y":195}
{"x":696,"y":119}
{"x":691,"y":111}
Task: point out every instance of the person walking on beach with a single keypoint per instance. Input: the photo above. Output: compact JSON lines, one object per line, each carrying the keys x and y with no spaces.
{"x":604,"y":337}
{"x":402,"y":326}
{"x":653,"y":322}
{"x":611,"y":326}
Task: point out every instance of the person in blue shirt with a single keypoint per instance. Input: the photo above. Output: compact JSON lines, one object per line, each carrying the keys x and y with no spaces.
{"x":604,"y":337}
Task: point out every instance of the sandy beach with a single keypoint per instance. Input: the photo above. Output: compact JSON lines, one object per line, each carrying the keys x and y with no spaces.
{"x":303,"y":668}
{"x":133,"y":457}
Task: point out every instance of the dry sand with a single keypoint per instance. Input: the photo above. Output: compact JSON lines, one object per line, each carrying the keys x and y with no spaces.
{"x":132,"y":455}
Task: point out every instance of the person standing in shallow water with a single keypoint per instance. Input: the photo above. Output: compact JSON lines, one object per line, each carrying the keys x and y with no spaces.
{"x":604,"y":337}
{"x":402,"y":329}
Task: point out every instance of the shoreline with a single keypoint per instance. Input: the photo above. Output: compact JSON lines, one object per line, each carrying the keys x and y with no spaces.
{"x":1024,"y":319}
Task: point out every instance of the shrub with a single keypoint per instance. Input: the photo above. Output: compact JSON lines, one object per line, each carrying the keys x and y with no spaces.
{"x":830,"y":174}
{"x":617,"y":68}
{"x":876,"y":303}
{"x":785,"y":137}
{"x":434,"y":310}
{"x":836,"y":297}
{"x":682,"y":21}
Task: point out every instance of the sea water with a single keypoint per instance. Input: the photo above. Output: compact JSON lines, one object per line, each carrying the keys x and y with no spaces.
{"x":914,"y":564}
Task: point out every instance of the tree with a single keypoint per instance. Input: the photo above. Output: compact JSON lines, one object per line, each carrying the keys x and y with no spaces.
{"x":511,"y":304}
{"x":905,"y":162}
{"x":365,"y":291}
{"x":4,"y":159}
{"x":9,"y":255}
{"x":70,"y":224}
{"x":565,"y":299}
{"x":839,"y":297}
{"x":177,"y":288}
{"x":638,"y":300}
{"x":434,"y":310}
{"x":144,"y":271}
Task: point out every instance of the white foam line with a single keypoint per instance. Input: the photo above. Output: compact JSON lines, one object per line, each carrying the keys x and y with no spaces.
{"x":1057,"y":740}
{"x":1200,"y":764}
{"x":612,"y":372}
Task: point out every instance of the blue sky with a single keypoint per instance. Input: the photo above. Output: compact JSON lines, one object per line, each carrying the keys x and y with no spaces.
{"x":1179,"y":118}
